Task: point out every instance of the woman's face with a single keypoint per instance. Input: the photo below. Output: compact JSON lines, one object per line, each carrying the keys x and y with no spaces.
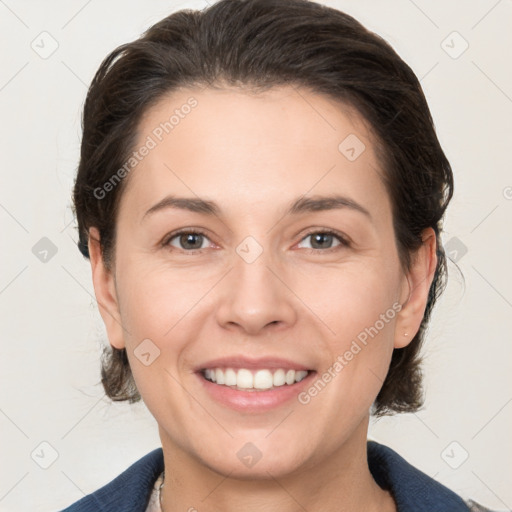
{"x":259,"y":288}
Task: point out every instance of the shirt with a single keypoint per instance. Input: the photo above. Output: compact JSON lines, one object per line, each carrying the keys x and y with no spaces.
{"x":137,"y":488}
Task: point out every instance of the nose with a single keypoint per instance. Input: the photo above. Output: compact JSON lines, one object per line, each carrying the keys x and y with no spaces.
{"x":255,"y":297}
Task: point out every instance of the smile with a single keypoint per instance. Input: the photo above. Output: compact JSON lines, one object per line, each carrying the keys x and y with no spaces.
{"x":245,"y":379}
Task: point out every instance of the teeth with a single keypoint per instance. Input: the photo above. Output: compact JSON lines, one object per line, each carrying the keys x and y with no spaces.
{"x":219,"y":376}
{"x":244,"y":379}
{"x":261,"y":379}
{"x":300,"y":375}
{"x":230,"y":377}
{"x":279,"y":378}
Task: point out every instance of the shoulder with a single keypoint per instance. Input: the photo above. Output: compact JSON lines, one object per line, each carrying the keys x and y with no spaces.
{"x":412,"y":489}
{"x":129,"y":492}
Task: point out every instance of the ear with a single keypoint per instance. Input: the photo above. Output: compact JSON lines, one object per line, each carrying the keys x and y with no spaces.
{"x":105,"y":291}
{"x":415,"y":290}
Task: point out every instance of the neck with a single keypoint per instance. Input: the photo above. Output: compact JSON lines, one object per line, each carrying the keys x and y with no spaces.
{"x":340,"y":483}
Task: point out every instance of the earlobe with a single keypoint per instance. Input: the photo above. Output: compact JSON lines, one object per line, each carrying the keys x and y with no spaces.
{"x":105,"y":291}
{"x":418,"y":281}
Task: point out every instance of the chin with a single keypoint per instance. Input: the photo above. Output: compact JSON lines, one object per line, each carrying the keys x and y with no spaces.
{"x":258,"y":460}
{"x":261,"y":470}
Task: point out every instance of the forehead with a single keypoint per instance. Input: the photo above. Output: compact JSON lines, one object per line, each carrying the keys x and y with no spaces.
{"x":246,"y":149}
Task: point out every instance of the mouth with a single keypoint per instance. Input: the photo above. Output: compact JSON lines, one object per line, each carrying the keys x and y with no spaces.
{"x":251,"y":385}
{"x":247,"y":379}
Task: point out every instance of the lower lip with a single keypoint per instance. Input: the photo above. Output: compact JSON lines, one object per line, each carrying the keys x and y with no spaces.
{"x":254,"y":401}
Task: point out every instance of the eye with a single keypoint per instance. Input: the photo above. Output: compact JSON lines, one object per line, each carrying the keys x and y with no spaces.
{"x":193,"y":240}
{"x":187,"y":240}
{"x":324,"y":240}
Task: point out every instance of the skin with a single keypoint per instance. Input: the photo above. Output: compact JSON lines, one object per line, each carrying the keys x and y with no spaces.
{"x":253,"y":155}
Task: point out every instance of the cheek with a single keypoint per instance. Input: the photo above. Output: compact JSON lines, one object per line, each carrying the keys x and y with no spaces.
{"x":154,"y":308}
{"x":366,"y":302}
{"x":162,"y":310}
{"x":351,"y":298}
{"x":154,"y":300}
{"x":360,"y":307}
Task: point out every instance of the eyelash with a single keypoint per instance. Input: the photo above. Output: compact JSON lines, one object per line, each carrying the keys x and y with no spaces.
{"x":344,"y":242}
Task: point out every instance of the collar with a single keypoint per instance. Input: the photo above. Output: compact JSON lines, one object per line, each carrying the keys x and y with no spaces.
{"x":412,"y":489}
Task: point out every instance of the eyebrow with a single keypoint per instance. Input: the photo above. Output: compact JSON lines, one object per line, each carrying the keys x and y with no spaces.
{"x":300,"y":205}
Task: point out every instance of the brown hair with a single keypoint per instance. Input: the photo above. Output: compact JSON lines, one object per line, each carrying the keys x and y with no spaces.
{"x":259,"y":44}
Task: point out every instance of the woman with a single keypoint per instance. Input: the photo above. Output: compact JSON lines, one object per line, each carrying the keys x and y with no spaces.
{"x":260,"y":194}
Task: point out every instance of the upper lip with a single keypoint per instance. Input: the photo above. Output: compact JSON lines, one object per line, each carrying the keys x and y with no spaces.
{"x":249,"y":363}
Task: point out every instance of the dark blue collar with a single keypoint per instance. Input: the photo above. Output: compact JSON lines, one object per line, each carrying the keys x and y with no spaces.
{"x":129,"y":492}
{"x":412,"y":489}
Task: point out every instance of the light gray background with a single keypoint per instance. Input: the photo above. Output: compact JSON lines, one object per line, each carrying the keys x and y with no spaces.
{"x":51,"y":331}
